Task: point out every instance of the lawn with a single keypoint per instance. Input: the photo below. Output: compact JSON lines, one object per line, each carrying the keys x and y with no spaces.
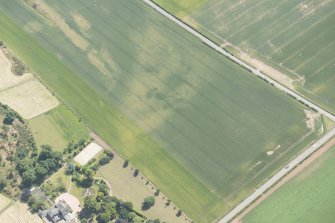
{"x":296,"y":37}
{"x":309,"y":197}
{"x":197,"y":125}
{"x":71,"y":187}
{"x":127,"y":187}
{"x":57,"y":128}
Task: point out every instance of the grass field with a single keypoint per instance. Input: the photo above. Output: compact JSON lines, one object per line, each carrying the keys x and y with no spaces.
{"x":57,"y":128}
{"x":127,"y":187}
{"x":193,"y":122}
{"x":294,"y":36}
{"x":302,"y":199}
{"x":71,"y":187}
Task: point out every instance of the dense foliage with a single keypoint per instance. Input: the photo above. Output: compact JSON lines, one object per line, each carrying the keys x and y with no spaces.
{"x":105,"y":208}
{"x":22,"y":163}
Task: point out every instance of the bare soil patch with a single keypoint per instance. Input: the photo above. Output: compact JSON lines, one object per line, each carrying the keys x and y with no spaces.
{"x":311,"y":116}
{"x":268,"y":70}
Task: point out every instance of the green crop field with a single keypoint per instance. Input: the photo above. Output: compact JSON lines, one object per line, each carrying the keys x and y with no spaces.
{"x":201,"y":128}
{"x":296,"y":36}
{"x":309,"y":197}
{"x":181,"y":7}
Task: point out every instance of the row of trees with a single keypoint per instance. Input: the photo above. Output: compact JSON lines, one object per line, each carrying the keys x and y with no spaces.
{"x":105,"y":208}
{"x":10,"y":115}
{"x":84,"y":175}
{"x":75,"y":147}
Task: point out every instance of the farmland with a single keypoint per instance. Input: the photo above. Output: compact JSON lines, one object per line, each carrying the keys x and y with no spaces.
{"x":18,"y":213}
{"x":23,"y":93}
{"x":4,"y":202}
{"x":182,"y":8}
{"x":198,"y":126}
{"x":296,"y":37}
{"x":303,"y":198}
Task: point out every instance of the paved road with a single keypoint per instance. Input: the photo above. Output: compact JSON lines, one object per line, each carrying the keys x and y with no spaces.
{"x":277,"y":177}
{"x":216,"y":47}
{"x":292,"y":164}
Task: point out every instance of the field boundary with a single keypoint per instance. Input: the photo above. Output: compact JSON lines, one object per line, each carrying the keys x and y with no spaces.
{"x":277,"y":177}
{"x":106,"y":145}
{"x":210,"y":43}
{"x":11,"y":203}
{"x":298,"y":169}
{"x":277,"y":158}
{"x":290,"y":92}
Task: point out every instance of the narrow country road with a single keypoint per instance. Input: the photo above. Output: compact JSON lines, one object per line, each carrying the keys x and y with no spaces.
{"x":245,"y":203}
{"x":273,"y":180}
{"x":216,"y":47}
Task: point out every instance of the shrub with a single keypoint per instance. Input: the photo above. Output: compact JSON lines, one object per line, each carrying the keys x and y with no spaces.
{"x":104,"y":159}
{"x":148,"y":202}
{"x":136,"y":172}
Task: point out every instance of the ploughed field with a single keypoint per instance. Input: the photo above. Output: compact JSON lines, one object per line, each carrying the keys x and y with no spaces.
{"x":295,"y":36}
{"x":201,"y":128}
{"x":303,"y":198}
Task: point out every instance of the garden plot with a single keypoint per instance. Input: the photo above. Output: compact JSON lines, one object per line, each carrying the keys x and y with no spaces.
{"x":25,"y":94}
{"x":88,"y":153}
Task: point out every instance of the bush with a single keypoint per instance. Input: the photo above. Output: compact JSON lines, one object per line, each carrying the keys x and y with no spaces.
{"x":61,"y":187}
{"x":104,"y":159}
{"x":126,"y":163}
{"x":148,"y":202}
{"x":136,"y":172}
{"x":9,"y":118}
{"x":109,"y":153}
{"x":19,"y":68}
{"x":70,"y":168}
{"x":35,"y":204}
